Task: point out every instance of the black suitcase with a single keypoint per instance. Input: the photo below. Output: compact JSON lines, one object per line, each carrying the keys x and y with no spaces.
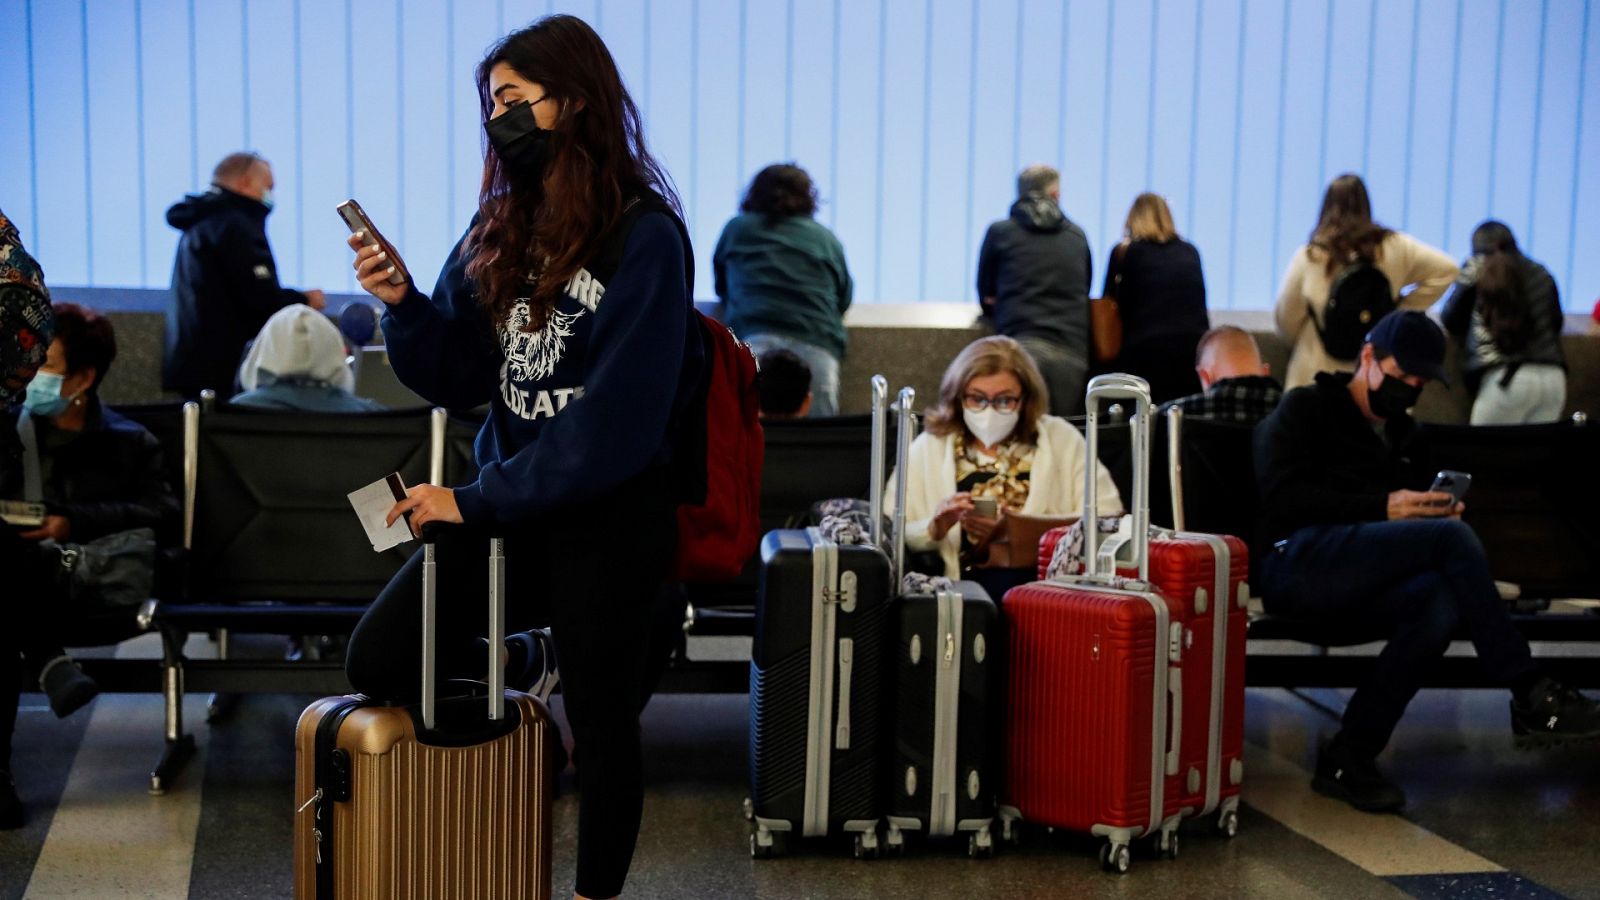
{"x":948,"y":696}
{"x":816,"y":690}
{"x":817,"y":684}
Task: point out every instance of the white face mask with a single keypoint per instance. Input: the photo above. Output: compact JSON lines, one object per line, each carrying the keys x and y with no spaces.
{"x":990,"y":425}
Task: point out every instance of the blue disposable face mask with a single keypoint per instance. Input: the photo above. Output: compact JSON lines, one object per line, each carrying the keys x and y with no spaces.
{"x":266,"y":198}
{"x":44,"y":396}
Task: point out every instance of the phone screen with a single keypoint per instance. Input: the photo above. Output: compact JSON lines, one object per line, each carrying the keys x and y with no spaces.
{"x":987,"y":507}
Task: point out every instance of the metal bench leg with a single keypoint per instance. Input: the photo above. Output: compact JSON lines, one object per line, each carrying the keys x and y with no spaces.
{"x":179,"y":745}
{"x":220,"y":705}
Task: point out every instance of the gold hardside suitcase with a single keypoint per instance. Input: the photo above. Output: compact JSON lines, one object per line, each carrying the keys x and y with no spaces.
{"x":429,"y":801}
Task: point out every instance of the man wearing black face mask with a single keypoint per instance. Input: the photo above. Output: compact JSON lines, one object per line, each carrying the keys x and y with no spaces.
{"x":1344,"y":538}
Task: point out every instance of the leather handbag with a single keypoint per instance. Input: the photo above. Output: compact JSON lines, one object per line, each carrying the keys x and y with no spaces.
{"x":1015,"y":544}
{"x":115,"y":571}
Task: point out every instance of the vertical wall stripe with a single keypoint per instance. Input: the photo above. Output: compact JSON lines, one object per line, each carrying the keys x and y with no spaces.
{"x":1150,"y":106}
{"x":1277,"y":178}
{"x":299,"y":150}
{"x":694,"y":114}
{"x":450,"y":105}
{"x":1066,"y":16}
{"x":1372,"y":61}
{"x":1327,"y":93}
{"x":883,"y":68}
{"x":1538,"y":110}
{"x":244,"y":70}
{"x":1016,"y":88}
{"x":788,"y":85}
{"x":1105,"y":117}
{"x":32,"y":238}
{"x":138,"y":104}
{"x":1411,"y":108}
{"x":400,"y":124}
{"x":972,"y":134}
{"x":1577,"y":154}
{"x":88,"y":149}
{"x":1194,"y":120}
{"x":500,"y":14}
{"x":744,"y":53}
{"x":1450,"y":138}
{"x":1238,"y":138}
{"x":194,"y":103}
{"x":1494,"y":107}
{"x":349,"y":98}
{"x":927,"y":145}
{"x":833,"y":137}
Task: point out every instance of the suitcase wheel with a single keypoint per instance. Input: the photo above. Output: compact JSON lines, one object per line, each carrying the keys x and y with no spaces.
{"x":1116,"y":857}
{"x":866,"y":845}
{"x":1167,"y":844}
{"x":764,"y":843}
{"x":894,"y":842}
{"x":749,"y":810}
{"x":980,"y":845}
{"x":1228,"y":823}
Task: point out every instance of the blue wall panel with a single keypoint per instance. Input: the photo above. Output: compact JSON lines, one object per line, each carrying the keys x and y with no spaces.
{"x":912,"y":115}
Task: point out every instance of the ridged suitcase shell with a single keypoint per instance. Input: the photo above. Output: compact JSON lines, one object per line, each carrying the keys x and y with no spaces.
{"x":427,"y":822}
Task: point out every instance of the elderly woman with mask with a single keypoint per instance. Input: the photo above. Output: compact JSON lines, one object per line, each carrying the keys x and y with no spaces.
{"x":989,"y":436}
{"x":298,"y":364}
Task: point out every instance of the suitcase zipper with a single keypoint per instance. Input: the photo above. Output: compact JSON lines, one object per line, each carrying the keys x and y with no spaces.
{"x":327,"y":778}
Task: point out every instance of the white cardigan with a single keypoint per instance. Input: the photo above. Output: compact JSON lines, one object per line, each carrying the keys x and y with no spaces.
{"x":1055,"y":485}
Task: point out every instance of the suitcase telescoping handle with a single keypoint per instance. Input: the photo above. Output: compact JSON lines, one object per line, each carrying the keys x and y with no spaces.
{"x":1118,"y":386}
{"x":907,"y":424}
{"x":880,"y":446}
{"x":430,"y":632}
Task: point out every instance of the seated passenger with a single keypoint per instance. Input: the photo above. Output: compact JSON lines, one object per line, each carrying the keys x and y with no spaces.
{"x":298,"y":363}
{"x":785,"y":385}
{"x":1236,"y":385}
{"x":989,"y":436}
{"x":1345,"y":535}
{"x":98,"y":474}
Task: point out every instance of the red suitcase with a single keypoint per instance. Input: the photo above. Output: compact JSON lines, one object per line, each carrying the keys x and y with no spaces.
{"x":1122,"y":719}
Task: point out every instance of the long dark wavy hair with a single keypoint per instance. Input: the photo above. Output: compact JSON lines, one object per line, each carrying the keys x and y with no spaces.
{"x":1345,"y":227}
{"x":1502,"y":299}
{"x":597,"y":162}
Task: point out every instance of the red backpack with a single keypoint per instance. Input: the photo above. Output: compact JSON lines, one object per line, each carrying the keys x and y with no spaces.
{"x":718,"y":536}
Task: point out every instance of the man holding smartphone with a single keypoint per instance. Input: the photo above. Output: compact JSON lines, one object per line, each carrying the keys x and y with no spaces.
{"x":1343,"y":536}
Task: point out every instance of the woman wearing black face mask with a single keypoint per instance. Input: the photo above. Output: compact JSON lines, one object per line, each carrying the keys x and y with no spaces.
{"x":566,"y":307}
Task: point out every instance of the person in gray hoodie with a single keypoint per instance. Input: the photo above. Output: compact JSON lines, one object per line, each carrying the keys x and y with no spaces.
{"x":1034,"y":271}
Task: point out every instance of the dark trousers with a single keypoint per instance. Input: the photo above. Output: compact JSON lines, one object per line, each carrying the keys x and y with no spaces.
{"x":591,"y":575}
{"x":1415,"y":582}
{"x":33,"y":632}
{"x":1065,"y":371}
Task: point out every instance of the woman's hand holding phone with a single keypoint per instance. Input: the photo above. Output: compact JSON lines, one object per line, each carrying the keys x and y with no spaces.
{"x":373,"y":268}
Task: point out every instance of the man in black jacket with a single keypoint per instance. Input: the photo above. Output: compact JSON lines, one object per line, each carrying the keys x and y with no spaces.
{"x":1034,"y":271}
{"x":224,"y":283}
{"x":1344,"y":537}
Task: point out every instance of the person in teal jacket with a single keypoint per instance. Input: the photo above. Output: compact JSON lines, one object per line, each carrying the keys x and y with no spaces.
{"x":782,"y":278}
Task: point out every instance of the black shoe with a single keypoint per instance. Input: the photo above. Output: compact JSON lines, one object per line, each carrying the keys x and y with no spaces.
{"x":1344,"y":775}
{"x":1554,"y":714}
{"x":66,"y":686}
{"x":10,"y":803}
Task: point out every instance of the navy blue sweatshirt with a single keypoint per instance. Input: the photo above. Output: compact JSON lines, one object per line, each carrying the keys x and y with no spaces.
{"x":577,"y":408}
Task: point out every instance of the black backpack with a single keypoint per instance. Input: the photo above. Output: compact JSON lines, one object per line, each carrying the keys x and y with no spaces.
{"x":1357,"y":299}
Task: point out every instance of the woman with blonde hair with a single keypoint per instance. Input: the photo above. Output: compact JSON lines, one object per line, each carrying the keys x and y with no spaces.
{"x":1155,"y":280}
{"x":1346,"y":241}
{"x":990,"y":436}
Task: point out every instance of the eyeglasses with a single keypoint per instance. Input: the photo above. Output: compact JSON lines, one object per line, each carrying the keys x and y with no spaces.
{"x":977,"y":402}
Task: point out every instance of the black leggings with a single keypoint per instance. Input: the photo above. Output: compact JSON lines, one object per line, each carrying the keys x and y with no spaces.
{"x":36,"y":614}
{"x":591,"y":575}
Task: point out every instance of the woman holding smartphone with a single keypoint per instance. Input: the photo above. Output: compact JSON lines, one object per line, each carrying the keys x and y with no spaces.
{"x":567,"y":308}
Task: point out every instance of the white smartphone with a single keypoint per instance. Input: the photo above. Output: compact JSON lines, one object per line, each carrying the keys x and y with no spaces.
{"x":1451,"y":482}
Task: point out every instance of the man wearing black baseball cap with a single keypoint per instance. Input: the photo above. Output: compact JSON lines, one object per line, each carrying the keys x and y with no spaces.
{"x":1344,"y":539}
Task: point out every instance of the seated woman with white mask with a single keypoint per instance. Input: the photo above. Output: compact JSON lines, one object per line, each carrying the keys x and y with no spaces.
{"x":989,"y":437}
